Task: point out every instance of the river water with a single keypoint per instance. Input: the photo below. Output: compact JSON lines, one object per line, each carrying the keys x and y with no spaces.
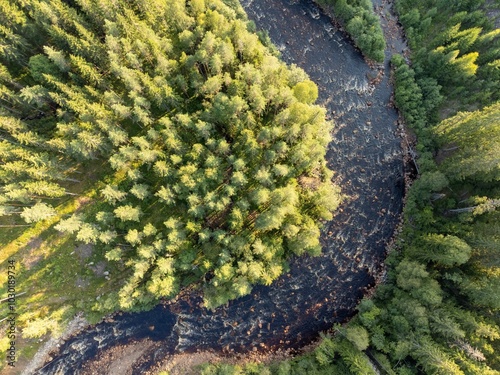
{"x":317,"y":292}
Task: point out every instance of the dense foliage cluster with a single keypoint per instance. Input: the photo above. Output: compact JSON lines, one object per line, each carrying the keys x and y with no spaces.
{"x":217,"y":149}
{"x":362,"y":24}
{"x":455,"y":46}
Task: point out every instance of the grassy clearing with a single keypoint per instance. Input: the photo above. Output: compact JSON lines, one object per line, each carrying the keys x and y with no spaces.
{"x":59,"y":276}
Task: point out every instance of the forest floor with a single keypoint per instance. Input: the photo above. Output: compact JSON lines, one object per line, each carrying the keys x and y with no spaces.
{"x":59,"y":278}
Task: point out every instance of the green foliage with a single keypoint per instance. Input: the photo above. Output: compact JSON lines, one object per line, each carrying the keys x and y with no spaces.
{"x":455,"y":45}
{"x":417,"y":101}
{"x":446,"y":251}
{"x":408,"y":95}
{"x":306,"y":92}
{"x":472,"y":139}
{"x":362,"y":24}
{"x":39,"y":327}
{"x":358,"y":336}
{"x":40,"y":211}
{"x":331,"y":357}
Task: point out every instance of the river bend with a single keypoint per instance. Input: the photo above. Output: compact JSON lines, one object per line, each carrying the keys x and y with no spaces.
{"x":367,"y":157}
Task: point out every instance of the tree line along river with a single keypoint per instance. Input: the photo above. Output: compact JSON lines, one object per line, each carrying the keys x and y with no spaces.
{"x":367,"y":158}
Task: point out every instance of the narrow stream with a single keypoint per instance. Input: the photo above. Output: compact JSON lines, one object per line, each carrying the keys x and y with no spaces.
{"x":317,"y":292}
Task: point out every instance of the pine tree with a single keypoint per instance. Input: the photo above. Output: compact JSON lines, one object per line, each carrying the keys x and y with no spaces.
{"x":40,"y":211}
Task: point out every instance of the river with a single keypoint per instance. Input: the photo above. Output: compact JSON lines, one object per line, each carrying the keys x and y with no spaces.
{"x":317,"y":292}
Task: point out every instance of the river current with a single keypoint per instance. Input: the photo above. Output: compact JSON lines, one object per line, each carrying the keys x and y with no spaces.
{"x":367,"y":157}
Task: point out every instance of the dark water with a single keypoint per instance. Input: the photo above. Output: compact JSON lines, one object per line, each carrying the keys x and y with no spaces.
{"x":317,"y":292}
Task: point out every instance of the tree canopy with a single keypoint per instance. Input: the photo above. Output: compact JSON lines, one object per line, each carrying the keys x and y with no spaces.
{"x":217,"y":150}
